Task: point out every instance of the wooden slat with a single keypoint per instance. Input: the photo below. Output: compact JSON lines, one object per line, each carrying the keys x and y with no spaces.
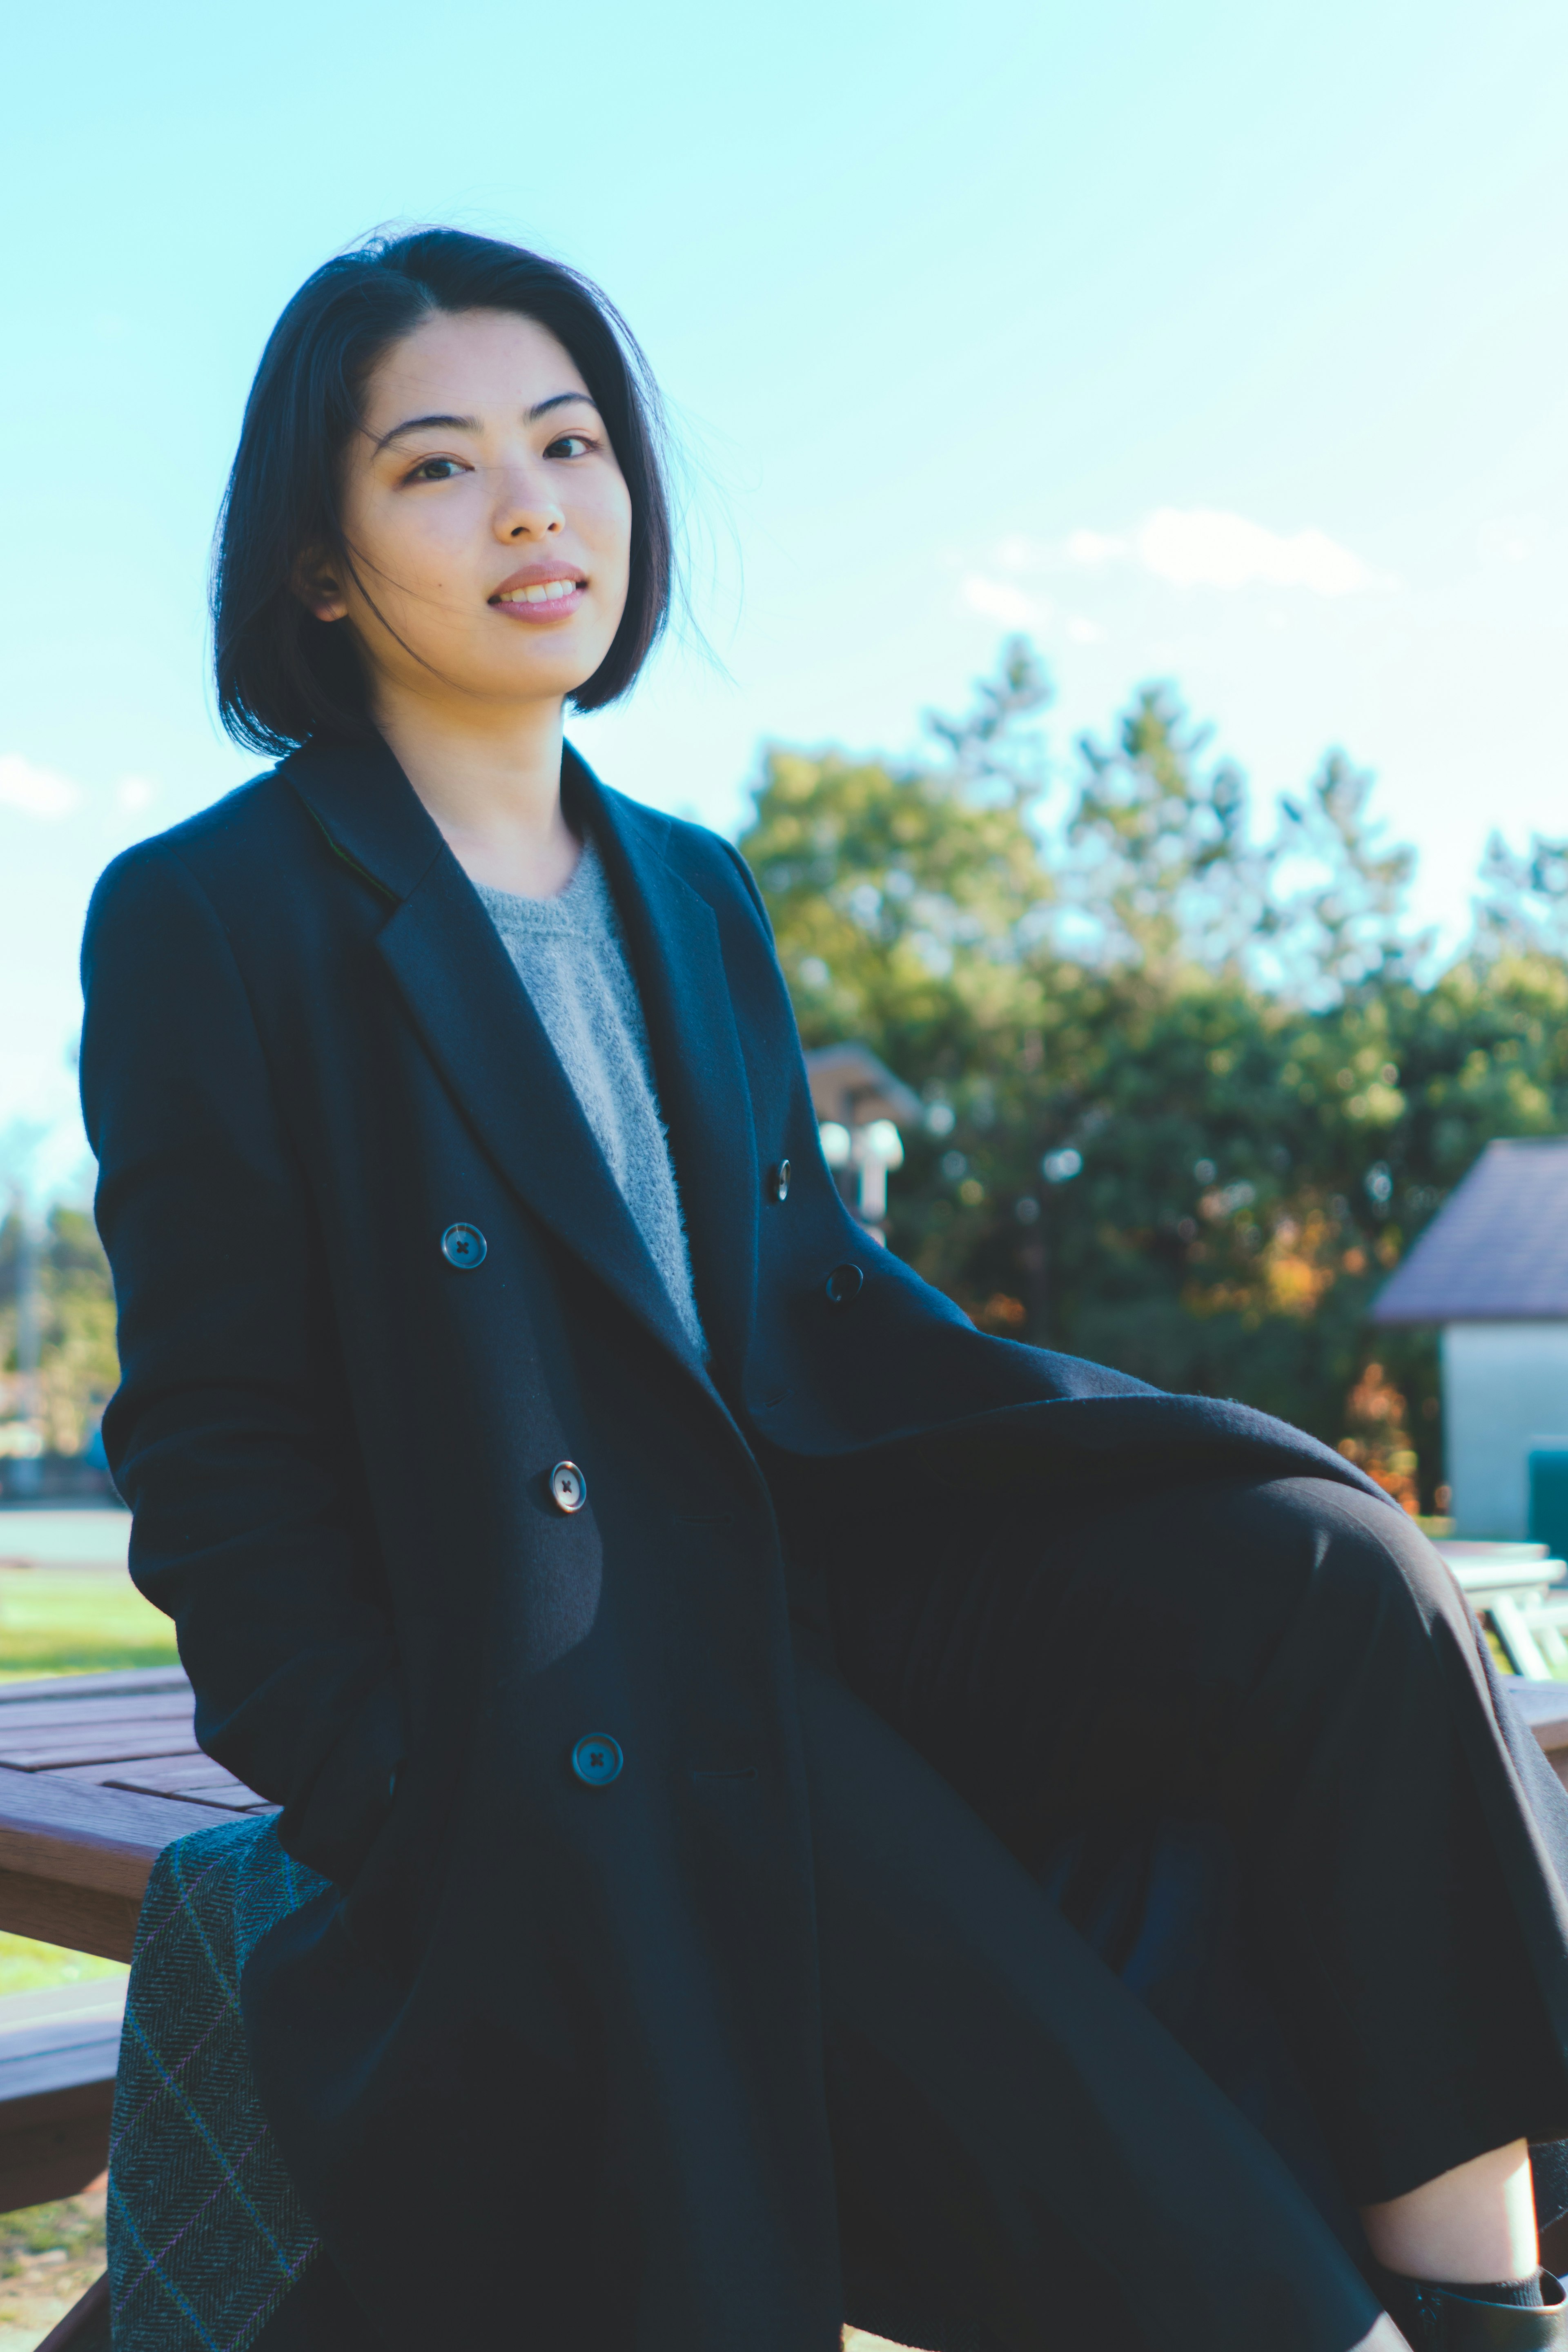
{"x":82,"y":1918}
{"x":195,"y":1778}
{"x":52,"y":2146}
{"x":56,"y":2056}
{"x":58,"y":2039}
{"x":85,"y":1745}
{"x":156,"y":1774}
{"x":29,"y":1715}
{"x":235,"y":1800}
{"x":102,"y":1838}
{"x":73,"y":1686}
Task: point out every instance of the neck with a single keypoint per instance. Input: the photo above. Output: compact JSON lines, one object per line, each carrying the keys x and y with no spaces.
{"x":492,"y":780}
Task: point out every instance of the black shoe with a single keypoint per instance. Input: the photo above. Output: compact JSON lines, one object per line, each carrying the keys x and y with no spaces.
{"x":1447,"y":2319}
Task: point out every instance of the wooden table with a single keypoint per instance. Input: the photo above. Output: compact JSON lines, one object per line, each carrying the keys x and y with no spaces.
{"x":97,"y":1773}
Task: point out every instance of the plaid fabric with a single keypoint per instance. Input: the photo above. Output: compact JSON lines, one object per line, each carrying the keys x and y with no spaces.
{"x":205,"y":2233}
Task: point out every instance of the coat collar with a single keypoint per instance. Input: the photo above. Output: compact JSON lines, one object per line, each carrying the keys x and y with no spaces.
{"x":480,"y":1027}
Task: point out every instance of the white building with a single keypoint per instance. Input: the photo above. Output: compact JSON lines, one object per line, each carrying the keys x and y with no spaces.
{"x":1492,"y":1270}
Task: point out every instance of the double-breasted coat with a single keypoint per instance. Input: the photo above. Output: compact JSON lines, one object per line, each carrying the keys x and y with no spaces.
{"x":571,"y":2019}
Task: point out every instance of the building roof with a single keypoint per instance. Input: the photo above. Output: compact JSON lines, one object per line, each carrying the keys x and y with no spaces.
{"x":849,"y":1084}
{"x":1497,"y":1250}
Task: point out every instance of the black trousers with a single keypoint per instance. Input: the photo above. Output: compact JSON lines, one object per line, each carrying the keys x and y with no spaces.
{"x":1178,"y":1889}
{"x":1243,"y":1735}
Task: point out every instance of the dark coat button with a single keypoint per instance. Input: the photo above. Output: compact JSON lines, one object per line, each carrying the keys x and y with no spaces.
{"x":597,"y":1758}
{"x":778,"y":1182}
{"x":568,"y":1489}
{"x":843,"y":1285}
{"x":463,"y":1246}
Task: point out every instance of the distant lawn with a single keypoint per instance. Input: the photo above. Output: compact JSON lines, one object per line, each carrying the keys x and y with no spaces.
{"x":27,"y":1966}
{"x":61,"y":1621}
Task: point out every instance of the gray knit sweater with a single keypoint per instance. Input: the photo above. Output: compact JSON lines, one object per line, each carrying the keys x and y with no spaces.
{"x":571,"y":955}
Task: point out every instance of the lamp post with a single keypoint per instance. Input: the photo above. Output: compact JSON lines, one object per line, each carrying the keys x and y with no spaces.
{"x":859,"y":1103}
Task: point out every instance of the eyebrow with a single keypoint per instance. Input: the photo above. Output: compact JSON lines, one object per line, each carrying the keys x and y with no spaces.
{"x":471,"y":423}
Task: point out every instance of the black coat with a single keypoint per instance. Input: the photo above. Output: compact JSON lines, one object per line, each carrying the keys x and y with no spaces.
{"x":574,"y":2025}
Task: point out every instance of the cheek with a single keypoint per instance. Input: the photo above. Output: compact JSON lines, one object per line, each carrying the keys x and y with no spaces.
{"x":405,"y":544}
{"x":607,"y":524}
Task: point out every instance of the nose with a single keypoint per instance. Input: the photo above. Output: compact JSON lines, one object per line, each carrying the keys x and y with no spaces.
{"x":526,"y":508}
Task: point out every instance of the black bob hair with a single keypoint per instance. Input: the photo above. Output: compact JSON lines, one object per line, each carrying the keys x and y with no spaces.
{"x":283,"y":674}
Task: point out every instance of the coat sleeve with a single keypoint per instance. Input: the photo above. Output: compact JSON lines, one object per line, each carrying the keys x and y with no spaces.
{"x":229,"y":1435}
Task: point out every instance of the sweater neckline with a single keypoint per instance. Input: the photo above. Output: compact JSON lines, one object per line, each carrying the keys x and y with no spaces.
{"x":567,"y":910}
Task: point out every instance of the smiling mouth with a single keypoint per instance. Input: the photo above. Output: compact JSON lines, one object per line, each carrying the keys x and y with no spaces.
{"x":540,"y":592}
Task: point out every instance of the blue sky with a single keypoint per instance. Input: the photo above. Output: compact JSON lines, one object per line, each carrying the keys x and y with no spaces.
{"x":1220,"y":342}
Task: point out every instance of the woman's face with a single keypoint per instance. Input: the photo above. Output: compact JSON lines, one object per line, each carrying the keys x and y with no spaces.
{"x":488,"y":518}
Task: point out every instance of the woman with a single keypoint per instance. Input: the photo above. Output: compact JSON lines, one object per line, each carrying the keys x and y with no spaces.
{"x":659,"y":1616}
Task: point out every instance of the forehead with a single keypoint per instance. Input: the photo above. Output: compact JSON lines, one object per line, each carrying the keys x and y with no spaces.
{"x":483,"y":364}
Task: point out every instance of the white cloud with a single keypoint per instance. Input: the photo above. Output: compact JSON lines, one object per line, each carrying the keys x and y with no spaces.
{"x":999,"y":600}
{"x":36,"y":792}
{"x":1188,"y":547}
{"x":1201,"y":547}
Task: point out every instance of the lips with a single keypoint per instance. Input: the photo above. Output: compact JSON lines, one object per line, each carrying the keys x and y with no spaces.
{"x":541,"y":591}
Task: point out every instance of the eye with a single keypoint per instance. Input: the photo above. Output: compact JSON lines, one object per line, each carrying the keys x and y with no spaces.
{"x":570,"y":445}
{"x":436,"y":469}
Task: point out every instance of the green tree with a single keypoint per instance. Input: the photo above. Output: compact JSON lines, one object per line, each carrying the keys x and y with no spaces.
{"x":1160,"y":870}
{"x":908,"y":897}
{"x":1521,"y":904}
{"x":1341,"y":894}
{"x":1265,"y":1090}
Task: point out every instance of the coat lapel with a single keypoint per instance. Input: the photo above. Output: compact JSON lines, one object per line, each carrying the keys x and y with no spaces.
{"x":477,"y":1022}
{"x":678,"y":961}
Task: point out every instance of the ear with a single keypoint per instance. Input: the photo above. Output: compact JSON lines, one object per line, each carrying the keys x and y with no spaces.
{"x":317,"y":586}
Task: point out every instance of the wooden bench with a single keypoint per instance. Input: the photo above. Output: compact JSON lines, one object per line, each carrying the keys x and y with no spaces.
{"x":1545,"y":1706}
{"x":1521,"y":1594}
{"x":97,"y":1773}
{"x":59,"y":2049}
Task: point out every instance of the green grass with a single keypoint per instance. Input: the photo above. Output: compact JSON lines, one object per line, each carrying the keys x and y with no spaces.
{"x":57,"y":1621}
{"x":49,"y":2256}
{"x":28,"y":1966}
{"x":39,"y":2228}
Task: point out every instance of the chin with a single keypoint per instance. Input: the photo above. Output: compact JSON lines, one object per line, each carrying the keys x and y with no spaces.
{"x":553,"y":670}
{"x":547,"y":679}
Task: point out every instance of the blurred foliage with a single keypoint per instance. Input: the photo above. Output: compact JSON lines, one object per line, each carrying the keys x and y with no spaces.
{"x":77,"y":1366}
{"x":1268,"y":1083}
